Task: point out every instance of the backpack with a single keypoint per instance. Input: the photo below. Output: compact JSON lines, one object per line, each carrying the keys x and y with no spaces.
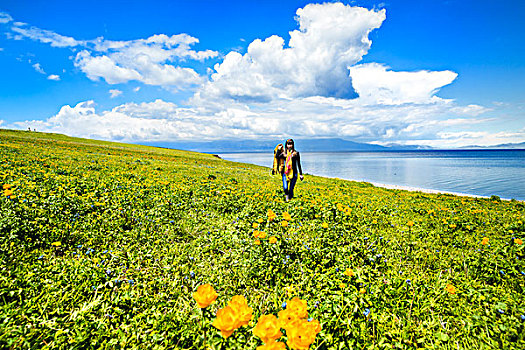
{"x":278,"y":163}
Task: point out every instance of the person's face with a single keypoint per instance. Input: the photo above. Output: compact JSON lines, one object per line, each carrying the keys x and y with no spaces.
{"x":289,"y":145}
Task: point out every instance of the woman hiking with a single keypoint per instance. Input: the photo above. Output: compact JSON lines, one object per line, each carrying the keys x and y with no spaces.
{"x":292,"y":163}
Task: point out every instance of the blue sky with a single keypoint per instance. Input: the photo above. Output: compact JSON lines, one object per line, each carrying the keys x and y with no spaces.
{"x":439,"y":73}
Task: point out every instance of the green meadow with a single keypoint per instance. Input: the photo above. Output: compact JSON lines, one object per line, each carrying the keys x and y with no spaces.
{"x":102,"y":245}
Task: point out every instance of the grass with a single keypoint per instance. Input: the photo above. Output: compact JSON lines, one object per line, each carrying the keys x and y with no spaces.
{"x":102,"y":245}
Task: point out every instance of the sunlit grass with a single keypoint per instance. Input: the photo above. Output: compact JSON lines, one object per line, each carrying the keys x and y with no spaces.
{"x":104,"y":245}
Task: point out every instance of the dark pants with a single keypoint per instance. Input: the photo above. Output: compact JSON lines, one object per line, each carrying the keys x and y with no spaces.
{"x":288,"y":186}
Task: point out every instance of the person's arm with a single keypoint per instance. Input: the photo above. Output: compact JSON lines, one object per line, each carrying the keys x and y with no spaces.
{"x":299,"y":166}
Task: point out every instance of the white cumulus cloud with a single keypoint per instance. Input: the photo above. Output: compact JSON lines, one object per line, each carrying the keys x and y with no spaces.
{"x":83,"y":119}
{"x":376,"y":84}
{"x":54,"y":77}
{"x":146,"y":60}
{"x":331,"y":37}
{"x":300,"y":118}
{"x":104,"y":67}
{"x":121,"y":68}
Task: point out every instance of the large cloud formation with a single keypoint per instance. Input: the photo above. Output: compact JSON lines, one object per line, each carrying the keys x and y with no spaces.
{"x":307,"y":117}
{"x":331,"y":37}
{"x":312,"y":86}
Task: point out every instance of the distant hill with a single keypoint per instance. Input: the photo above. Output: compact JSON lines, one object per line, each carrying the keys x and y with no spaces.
{"x":303,"y":145}
{"x":500,"y":146}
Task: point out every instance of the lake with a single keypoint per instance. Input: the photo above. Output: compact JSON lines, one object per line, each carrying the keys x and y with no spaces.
{"x":474,"y":172}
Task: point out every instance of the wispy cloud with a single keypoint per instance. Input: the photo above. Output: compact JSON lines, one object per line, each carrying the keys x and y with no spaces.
{"x":22,"y":31}
{"x":155,"y":60}
{"x":38,"y":68}
{"x":114,"y":93}
{"x":5,"y":18}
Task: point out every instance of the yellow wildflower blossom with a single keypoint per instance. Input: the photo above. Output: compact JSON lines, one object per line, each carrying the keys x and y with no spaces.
{"x":205,"y":295}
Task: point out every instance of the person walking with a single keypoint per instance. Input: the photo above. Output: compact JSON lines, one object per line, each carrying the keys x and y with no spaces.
{"x":292,"y":164}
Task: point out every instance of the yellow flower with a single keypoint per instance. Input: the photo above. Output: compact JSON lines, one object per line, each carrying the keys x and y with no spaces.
{"x":342,"y":285}
{"x":299,"y":306}
{"x":287,"y":316}
{"x":324,"y":225}
{"x":485,"y":241}
{"x":450,"y":288}
{"x":349,"y":272}
{"x":240,"y":306}
{"x":205,"y":295}
{"x":271,"y":215}
{"x":410,"y":223}
{"x":227,"y":321}
{"x":255,"y":225}
{"x":260,"y":220}
{"x":284,"y":223}
{"x":362,"y":291}
{"x":273,"y":239}
{"x":8,"y":193}
{"x":287,"y":216}
{"x":267,"y":328}
{"x":256,"y":234}
{"x":262,"y":235}
{"x":56,"y":244}
{"x":6,"y":187}
{"x":518,"y":241}
{"x":257,"y":242}
{"x":315,"y":326}
{"x":300,"y":335}
{"x":275,"y":345}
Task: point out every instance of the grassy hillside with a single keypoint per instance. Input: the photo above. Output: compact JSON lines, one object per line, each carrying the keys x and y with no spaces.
{"x":103,"y":245}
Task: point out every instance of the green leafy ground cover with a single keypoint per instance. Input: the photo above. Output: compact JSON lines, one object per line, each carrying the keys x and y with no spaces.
{"x":102,"y":245}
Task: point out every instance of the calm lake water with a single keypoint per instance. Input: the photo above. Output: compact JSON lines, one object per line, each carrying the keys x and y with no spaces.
{"x":483,"y":173}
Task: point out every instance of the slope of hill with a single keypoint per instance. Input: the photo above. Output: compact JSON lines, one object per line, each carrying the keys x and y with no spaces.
{"x":105,"y":245}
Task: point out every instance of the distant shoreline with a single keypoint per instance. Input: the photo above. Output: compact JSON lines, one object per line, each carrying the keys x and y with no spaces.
{"x":426,"y":190}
